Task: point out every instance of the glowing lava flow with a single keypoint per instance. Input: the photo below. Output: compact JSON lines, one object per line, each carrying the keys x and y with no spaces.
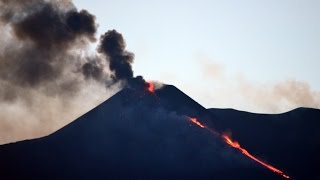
{"x":194,"y":120}
{"x":236,"y":145}
{"x":150,"y":87}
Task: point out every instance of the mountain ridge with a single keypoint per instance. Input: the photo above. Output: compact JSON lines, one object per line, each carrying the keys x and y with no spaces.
{"x":131,"y":131}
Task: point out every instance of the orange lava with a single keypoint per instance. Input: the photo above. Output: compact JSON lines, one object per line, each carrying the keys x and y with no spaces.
{"x":150,"y":87}
{"x":194,"y":120}
{"x":236,"y":145}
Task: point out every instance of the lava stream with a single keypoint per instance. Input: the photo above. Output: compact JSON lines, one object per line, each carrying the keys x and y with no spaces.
{"x":194,"y":120}
{"x":236,"y":145}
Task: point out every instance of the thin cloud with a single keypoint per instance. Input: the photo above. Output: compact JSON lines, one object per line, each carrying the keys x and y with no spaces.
{"x":236,"y":91}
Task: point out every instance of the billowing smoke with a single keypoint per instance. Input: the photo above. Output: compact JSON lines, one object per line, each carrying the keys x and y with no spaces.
{"x":44,"y":35}
{"x":113,"y":46}
{"x":46,"y":65}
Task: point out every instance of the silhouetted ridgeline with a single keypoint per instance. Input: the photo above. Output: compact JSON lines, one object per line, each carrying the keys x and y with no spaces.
{"x":139,"y":134}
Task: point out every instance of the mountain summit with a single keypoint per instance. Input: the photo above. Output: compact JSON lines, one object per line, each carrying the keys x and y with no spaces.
{"x":134,"y":134}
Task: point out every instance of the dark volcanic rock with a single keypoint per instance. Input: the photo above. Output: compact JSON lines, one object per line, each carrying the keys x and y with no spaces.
{"x":134,"y":134}
{"x":289,"y":140}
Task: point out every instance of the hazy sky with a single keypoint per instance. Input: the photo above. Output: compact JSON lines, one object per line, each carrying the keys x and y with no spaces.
{"x":257,"y":56}
{"x":222,"y":53}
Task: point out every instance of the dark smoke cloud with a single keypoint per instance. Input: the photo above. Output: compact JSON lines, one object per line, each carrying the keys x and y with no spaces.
{"x":92,"y":70}
{"x":46,"y":64}
{"x":48,"y":33}
{"x":113,"y":46}
{"x":45,"y":33}
{"x":49,"y":28}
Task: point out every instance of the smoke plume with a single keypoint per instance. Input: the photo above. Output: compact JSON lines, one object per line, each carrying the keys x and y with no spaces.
{"x":240,"y":93}
{"x":46,"y":66}
{"x":113,"y":46}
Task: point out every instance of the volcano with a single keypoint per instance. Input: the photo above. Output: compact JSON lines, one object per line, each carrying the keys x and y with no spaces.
{"x":144,"y":134}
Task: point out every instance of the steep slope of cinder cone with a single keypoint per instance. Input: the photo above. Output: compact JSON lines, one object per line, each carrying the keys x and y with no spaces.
{"x":134,"y":134}
{"x":289,"y":140}
{"x":175,"y":100}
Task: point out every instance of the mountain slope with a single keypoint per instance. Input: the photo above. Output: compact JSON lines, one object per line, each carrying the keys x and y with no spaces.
{"x":289,"y":140}
{"x":134,"y":134}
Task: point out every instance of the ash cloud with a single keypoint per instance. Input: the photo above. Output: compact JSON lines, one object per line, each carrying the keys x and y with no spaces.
{"x":46,"y":63}
{"x":243,"y":94}
{"x":113,"y":46}
{"x":281,"y":96}
{"x":42,"y":37}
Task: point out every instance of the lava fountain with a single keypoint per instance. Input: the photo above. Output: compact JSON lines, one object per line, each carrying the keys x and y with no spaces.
{"x":237,"y":146}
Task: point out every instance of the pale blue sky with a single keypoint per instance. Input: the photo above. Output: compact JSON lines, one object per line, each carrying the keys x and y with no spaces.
{"x":266,"y":41}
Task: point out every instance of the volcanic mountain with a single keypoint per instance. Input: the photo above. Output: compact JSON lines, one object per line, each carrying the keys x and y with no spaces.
{"x":138,"y":134}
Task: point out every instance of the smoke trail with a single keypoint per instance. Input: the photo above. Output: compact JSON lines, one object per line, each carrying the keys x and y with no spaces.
{"x":46,"y":65}
{"x":240,"y":93}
